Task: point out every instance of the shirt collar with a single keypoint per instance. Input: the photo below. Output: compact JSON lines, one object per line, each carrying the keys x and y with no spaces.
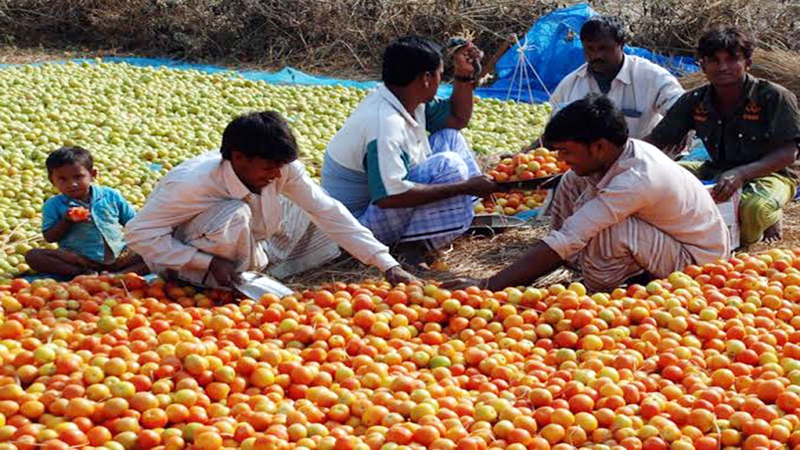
{"x":233,"y":184}
{"x":397,"y":104}
{"x":625,"y":74}
{"x":748,"y":90}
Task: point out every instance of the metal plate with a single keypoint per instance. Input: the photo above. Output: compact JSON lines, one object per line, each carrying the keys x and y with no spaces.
{"x":534,"y":183}
{"x":255,"y":285}
{"x":496,"y":221}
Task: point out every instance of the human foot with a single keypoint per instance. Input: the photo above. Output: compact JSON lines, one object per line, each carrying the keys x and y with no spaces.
{"x":774,"y":233}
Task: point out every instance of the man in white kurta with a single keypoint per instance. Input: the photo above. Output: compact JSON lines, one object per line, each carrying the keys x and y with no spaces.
{"x":203,"y":210}
{"x":642,"y":90}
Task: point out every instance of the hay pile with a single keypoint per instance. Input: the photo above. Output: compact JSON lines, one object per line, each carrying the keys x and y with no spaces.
{"x":347,"y":37}
{"x":778,"y":66}
{"x":475,"y":256}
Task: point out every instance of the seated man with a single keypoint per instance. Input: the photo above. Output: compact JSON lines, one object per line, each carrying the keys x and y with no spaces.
{"x":644,"y":91}
{"x":223,"y":213}
{"x":749,"y":126}
{"x":398,"y":182}
{"x":624,"y":209}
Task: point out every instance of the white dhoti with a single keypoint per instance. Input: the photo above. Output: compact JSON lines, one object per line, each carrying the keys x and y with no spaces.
{"x":621,"y":251}
{"x":232,"y":231}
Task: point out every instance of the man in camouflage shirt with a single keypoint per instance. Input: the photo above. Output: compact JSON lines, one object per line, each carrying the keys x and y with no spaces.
{"x":750,"y":127}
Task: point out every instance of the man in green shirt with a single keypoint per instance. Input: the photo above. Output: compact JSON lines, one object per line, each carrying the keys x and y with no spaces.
{"x":751,"y":128}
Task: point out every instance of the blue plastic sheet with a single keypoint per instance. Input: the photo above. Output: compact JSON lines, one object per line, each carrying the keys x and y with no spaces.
{"x":287,"y":75}
{"x":553,"y":48}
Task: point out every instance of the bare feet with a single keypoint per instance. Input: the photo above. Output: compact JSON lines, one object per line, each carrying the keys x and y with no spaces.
{"x":774,"y":233}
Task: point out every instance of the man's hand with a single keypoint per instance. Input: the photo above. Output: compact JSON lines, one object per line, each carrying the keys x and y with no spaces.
{"x":464,"y":60}
{"x":727,"y":183}
{"x":396,"y":275}
{"x":463,"y":283}
{"x":223,"y":271}
{"x":482,"y":185}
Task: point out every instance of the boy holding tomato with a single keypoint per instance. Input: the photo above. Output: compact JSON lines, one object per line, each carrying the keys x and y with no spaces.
{"x":85,"y":219}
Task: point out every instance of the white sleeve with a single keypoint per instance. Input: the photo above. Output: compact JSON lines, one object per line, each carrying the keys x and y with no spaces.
{"x":668,"y":91}
{"x":335,"y":220}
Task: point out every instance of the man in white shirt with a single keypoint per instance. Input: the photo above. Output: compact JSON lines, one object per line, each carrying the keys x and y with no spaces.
{"x":623,"y":210}
{"x":644,"y":91}
{"x":223,"y":213}
{"x":406,"y":187}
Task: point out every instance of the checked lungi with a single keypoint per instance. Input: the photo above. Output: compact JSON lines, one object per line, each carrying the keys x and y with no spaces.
{"x":437,"y":223}
{"x":762,"y":203}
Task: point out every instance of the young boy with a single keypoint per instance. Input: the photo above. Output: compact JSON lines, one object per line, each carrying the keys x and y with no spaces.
{"x":85,"y":219}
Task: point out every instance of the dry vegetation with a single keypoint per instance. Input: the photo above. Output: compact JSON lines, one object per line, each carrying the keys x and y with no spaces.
{"x":349,"y":35}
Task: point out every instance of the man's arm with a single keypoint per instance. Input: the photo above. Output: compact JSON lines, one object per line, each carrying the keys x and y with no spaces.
{"x":783,"y":117}
{"x":540,"y":261}
{"x":612,"y":205}
{"x":669,"y":134}
{"x":461,"y":100}
{"x":780,"y":158}
{"x":669,"y":90}
{"x":335,"y":220}
{"x":422,"y":194}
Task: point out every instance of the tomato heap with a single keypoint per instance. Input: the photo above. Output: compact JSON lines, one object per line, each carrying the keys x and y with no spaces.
{"x":705,"y":359}
{"x":537,"y":163}
{"x":510,"y":203}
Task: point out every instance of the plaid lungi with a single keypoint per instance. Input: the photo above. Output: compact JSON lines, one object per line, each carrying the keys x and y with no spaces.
{"x":438,"y":223}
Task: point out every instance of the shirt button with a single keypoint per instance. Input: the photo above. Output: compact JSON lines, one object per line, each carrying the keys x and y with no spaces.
{"x":719,"y":122}
{"x":740,"y":135}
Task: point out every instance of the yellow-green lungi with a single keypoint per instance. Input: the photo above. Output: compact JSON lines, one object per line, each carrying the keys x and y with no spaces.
{"x":763,"y":200}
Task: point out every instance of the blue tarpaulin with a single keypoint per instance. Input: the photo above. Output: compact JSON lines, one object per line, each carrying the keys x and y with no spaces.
{"x":553,"y":48}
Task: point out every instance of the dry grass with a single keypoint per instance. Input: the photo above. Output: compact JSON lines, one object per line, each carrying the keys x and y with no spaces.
{"x":676,"y":25}
{"x":316,"y":35}
{"x":347,"y":37}
{"x":472,"y":255}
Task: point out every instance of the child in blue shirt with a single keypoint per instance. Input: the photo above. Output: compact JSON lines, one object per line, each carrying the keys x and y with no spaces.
{"x":90,"y":242}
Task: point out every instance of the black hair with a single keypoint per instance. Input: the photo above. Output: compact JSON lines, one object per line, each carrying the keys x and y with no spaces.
{"x":730,"y":39}
{"x":407,"y":58}
{"x":586,"y":121}
{"x":262,"y":135}
{"x":598,"y":27}
{"x":66,"y":156}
